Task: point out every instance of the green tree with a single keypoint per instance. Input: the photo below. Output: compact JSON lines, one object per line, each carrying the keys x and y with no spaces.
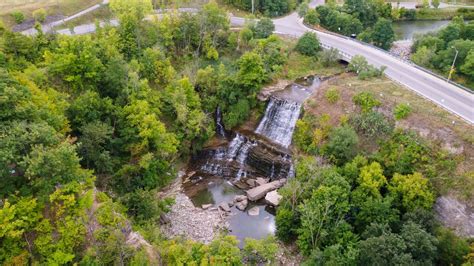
{"x":383,"y":34}
{"x":451,"y":248}
{"x":412,"y":191}
{"x":420,"y":244}
{"x":386,"y":249}
{"x":311,"y":17}
{"x":468,"y":67}
{"x":263,"y":28}
{"x":435,"y":3}
{"x":342,"y":145}
{"x":322,"y":216}
{"x":257,"y":251}
{"x":423,"y":56}
{"x":40,"y":15}
{"x":329,"y":57}
{"x":308,"y":44}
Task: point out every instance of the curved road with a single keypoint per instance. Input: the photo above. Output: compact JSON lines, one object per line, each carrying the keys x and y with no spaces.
{"x":439,"y":91}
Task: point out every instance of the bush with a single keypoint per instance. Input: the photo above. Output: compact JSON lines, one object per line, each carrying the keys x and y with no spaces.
{"x":332,"y":95}
{"x":39,"y":15}
{"x":366,"y":101}
{"x":342,"y":145}
{"x":263,"y":28}
{"x":401,"y":111}
{"x":308,"y":44}
{"x":329,"y":57}
{"x":361,"y":67}
{"x":18,"y":16}
{"x":371,"y":124}
{"x":311,"y":17}
{"x":262,"y":251}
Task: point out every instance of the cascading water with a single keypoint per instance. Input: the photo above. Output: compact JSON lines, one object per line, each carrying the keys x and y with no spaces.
{"x":279,"y":121}
{"x":237,"y":157}
{"x":219,"y":127}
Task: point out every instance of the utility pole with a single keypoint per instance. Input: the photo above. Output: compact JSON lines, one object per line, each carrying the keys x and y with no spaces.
{"x":454,"y":61}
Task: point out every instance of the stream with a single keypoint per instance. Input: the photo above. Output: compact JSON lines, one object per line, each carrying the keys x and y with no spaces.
{"x":237,"y":158}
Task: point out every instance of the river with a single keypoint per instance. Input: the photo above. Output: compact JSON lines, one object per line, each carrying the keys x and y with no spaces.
{"x":406,"y":30}
{"x":236,"y":159}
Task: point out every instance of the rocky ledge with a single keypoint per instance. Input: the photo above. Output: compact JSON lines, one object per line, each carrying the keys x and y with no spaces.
{"x":193,"y":223}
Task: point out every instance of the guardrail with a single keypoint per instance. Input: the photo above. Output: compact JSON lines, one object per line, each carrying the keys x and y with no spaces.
{"x":392,"y":55}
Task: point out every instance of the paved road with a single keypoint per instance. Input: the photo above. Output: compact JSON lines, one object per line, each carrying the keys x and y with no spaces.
{"x":48,"y":27}
{"x":439,"y":91}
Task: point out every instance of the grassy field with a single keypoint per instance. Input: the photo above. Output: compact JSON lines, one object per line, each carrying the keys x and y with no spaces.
{"x":52,"y":7}
{"x":103,"y":13}
{"x":435,"y":124}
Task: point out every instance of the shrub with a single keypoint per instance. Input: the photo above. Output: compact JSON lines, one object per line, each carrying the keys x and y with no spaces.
{"x":39,"y":15}
{"x":332,"y":95}
{"x":311,"y":17}
{"x":308,"y":44}
{"x":18,"y":16}
{"x":329,"y":57}
{"x":366,"y":101}
{"x":401,"y":111}
{"x":371,"y":124}
{"x":263,"y":28}
{"x":262,"y":251}
{"x":342,"y":145}
{"x":361,"y":67}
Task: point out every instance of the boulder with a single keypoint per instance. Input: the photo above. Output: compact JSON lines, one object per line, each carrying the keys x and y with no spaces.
{"x":273,"y":198}
{"x":241,"y":205}
{"x":206,"y":206}
{"x":224,"y":206}
{"x":240,"y":198}
{"x":254,"y":211}
{"x":261,"y":181}
{"x":231,"y":203}
{"x":259,"y":192}
{"x":251,"y":182}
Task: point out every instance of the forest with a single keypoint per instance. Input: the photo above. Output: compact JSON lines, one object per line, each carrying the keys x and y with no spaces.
{"x":94,"y":126}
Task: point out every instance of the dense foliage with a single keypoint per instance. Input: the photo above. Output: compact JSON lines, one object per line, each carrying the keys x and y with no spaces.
{"x":359,"y":206}
{"x":270,"y":8}
{"x":369,"y":20}
{"x":437,"y":50}
{"x":113,"y":112}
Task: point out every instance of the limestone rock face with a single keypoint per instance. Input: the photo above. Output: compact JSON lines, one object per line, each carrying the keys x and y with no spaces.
{"x":239,"y":198}
{"x":273,"y":198}
{"x":261,"y":181}
{"x":259,"y":192}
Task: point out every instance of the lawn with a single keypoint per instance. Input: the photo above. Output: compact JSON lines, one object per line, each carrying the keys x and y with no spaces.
{"x":52,"y":7}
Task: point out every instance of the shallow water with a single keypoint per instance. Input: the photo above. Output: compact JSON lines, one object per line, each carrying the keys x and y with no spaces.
{"x":406,"y":30}
{"x":247,"y":155}
{"x":242,"y":225}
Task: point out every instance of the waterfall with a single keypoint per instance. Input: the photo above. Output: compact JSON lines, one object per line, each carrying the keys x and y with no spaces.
{"x":279,"y":121}
{"x":262,"y":153}
{"x":219,"y":127}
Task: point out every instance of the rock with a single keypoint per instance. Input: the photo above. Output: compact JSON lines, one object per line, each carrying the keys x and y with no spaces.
{"x":164,"y":219}
{"x":240,"y":198}
{"x":191,"y":174}
{"x":273,"y":198}
{"x":251,"y":182}
{"x":231,"y":203}
{"x":261,"y":181}
{"x":259,"y":192}
{"x":456,"y":215}
{"x":224,"y":206}
{"x":206,"y":206}
{"x":241,"y":205}
{"x":254,"y":211}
